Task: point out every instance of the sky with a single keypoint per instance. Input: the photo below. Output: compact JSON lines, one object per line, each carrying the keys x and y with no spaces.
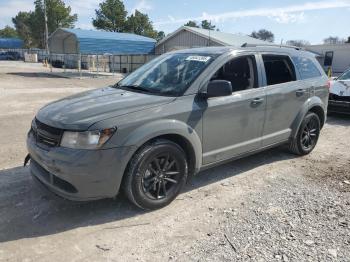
{"x":288,"y":20}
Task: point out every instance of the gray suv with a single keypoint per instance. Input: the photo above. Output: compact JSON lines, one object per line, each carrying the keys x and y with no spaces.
{"x":182,"y":112}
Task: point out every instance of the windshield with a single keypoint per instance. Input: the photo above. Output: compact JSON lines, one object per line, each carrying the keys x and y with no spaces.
{"x":169,"y":74}
{"x":345,"y":76}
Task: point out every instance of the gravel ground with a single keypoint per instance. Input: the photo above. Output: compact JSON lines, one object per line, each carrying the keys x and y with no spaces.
{"x":272,"y":206}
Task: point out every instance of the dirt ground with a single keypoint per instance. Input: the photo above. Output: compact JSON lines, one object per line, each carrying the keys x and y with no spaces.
{"x":272,"y":206}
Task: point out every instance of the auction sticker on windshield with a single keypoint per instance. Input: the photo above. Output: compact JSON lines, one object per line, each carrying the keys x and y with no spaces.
{"x":198,"y":58}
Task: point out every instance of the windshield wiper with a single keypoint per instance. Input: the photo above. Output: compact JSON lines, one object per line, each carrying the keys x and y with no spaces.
{"x":135,"y":87}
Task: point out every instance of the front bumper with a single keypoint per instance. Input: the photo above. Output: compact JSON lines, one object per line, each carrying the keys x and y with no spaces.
{"x":338,"y":106}
{"x":79,"y":174}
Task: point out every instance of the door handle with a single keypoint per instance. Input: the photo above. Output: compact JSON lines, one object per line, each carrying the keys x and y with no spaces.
{"x":257,"y":101}
{"x":300,"y":92}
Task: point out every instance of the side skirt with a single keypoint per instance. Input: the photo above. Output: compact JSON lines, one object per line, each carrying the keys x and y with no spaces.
{"x":220,"y":162}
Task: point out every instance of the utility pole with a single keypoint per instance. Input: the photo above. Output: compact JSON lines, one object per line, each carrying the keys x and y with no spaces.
{"x":209,"y":34}
{"x":46,"y":29}
{"x":48,"y":56}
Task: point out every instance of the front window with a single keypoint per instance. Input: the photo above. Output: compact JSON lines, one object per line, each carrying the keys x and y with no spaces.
{"x":169,"y":74}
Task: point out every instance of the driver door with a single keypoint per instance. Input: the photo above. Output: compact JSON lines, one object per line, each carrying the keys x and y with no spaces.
{"x":233,"y":125}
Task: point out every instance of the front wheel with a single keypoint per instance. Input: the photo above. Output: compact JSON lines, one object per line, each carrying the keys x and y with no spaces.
{"x":156,"y":174}
{"x":307,"y":136}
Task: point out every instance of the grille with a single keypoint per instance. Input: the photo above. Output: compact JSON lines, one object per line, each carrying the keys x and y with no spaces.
{"x":46,"y":135}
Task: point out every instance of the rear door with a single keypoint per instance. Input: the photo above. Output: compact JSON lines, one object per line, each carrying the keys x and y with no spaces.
{"x":285,"y":97}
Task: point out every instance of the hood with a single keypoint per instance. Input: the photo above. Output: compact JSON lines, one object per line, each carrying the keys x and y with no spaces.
{"x":340,"y":87}
{"x":79,"y":112}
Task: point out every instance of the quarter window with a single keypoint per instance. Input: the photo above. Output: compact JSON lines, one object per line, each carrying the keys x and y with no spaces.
{"x":306,"y":67}
{"x":279,"y":69}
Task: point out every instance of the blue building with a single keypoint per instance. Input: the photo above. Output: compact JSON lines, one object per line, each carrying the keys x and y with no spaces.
{"x":9,"y":43}
{"x":78,"y":41}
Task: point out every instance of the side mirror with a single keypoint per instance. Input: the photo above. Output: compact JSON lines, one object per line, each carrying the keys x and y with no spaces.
{"x":218,"y":88}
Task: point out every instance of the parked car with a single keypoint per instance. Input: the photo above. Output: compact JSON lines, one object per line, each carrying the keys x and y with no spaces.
{"x":9,"y":55}
{"x":339,"y":94}
{"x":182,"y":112}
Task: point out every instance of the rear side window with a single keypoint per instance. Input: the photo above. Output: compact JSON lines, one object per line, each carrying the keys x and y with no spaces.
{"x":279,"y":69}
{"x":306,"y":67}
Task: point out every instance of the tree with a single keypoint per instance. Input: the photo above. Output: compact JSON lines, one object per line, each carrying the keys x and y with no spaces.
{"x":348,"y":41}
{"x":192,"y":24}
{"x":59,"y":15}
{"x":140,"y":24}
{"x":332,"y":40}
{"x":207,"y":25}
{"x":31,"y":25}
{"x":22,"y":22}
{"x":160,"y":36}
{"x":298,"y":43}
{"x":263,"y":34}
{"x":111,"y":16}
{"x":8,"y":32}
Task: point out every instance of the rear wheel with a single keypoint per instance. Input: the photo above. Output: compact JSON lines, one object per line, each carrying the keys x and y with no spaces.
{"x":156,"y":174}
{"x":307,"y":136}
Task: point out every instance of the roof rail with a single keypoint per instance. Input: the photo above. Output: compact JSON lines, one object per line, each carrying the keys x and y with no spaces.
{"x":270,"y":45}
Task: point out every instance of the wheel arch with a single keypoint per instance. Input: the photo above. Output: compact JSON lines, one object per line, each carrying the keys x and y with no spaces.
{"x":176,"y":131}
{"x":318,"y":110}
{"x":314,"y":105}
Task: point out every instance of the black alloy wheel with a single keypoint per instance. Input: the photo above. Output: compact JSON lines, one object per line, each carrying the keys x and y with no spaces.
{"x":161,"y":176}
{"x":156,"y":174}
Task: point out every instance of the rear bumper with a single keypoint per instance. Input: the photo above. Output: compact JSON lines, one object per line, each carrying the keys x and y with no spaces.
{"x":338,"y":106}
{"x":79,"y":174}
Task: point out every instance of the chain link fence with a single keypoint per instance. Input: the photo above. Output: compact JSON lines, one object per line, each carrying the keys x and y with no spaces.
{"x":91,"y":64}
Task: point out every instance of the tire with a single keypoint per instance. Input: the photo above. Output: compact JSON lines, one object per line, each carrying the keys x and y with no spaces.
{"x":307,"y":136}
{"x":156,"y":174}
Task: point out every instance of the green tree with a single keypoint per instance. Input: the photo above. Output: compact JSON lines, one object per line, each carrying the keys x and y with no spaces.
{"x":8,"y":31}
{"x":263,"y":34}
{"x":207,"y":25}
{"x":192,"y":24}
{"x":160,"y":36}
{"x":30,"y":26}
{"x":22,"y":22}
{"x":140,"y":24}
{"x":111,"y":16}
{"x":58,"y":15}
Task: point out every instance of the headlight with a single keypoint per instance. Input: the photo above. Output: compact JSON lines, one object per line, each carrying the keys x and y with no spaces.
{"x":87,"y":139}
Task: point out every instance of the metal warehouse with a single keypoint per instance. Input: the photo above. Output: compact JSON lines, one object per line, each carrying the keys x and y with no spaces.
{"x":191,"y":37}
{"x":336,"y":56}
{"x":11,"y":43}
{"x":78,"y":41}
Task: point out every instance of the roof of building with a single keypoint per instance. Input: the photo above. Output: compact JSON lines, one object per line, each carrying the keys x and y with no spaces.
{"x":100,"y":42}
{"x":11,"y":43}
{"x":94,"y":34}
{"x":226,"y":39}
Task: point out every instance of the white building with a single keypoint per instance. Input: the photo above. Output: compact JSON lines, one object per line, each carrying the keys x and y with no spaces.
{"x":191,"y":37}
{"x":336,"y":56}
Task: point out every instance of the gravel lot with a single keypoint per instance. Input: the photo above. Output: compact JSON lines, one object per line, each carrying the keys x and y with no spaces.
{"x":272,"y":206}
